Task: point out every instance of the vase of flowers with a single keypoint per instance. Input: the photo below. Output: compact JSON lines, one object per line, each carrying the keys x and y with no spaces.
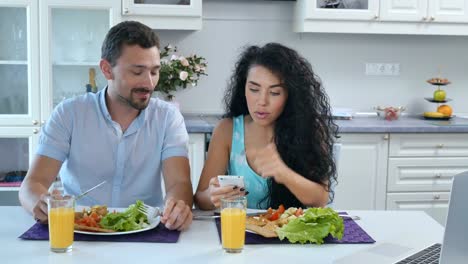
{"x":178,"y":71}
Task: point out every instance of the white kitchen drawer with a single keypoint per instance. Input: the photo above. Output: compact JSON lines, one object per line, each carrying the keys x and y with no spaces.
{"x":434,"y":204}
{"x":423,"y":174}
{"x":422,"y":145}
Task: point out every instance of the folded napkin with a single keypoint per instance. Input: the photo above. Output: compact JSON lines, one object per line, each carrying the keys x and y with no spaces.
{"x":159,"y":234}
{"x":353,"y":234}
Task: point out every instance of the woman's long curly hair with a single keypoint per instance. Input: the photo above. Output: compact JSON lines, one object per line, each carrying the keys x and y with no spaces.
{"x":304,"y":133}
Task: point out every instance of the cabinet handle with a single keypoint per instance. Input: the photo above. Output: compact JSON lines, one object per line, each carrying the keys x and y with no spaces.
{"x":424,"y":18}
{"x":126,"y":10}
{"x":440,"y":145}
{"x":35,"y":131}
{"x":376,"y":17}
{"x":432,"y":18}
{"x":436,"y":196}
{"x":42,"y":122}
{"x":386,"y":137}
{"x":438,"y":175}
{"x":35,"y":122}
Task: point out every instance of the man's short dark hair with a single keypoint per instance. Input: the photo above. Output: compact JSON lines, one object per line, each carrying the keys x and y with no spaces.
{"x":127,"y":33}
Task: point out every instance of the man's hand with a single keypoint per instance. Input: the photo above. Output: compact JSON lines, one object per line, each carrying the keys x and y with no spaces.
{"x":39,"y":211}
{"x":177,"y":215}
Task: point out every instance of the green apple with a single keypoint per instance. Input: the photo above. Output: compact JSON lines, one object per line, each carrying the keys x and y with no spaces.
{"x":439,"y":95}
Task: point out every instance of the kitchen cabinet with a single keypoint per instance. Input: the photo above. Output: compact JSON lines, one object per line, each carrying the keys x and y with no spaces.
{"x":72,"y":33}
{"x":421,"y":168}
{"x":19,"y":63}
{"x":434,"y":11}
{"x":362,"y":172}
{"x":46,"y":51}
{"x":431,"y":17}
{"x":165,"y":14}
{"x":196,"y":157}
{"x":17,"y":145}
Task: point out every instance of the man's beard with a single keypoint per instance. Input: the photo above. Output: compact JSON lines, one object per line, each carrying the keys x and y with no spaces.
{"x":136,"y":103}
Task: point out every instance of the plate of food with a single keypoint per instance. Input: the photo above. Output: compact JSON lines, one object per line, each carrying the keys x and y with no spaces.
{"x":103,"y":221}
{"x":297,"y":225}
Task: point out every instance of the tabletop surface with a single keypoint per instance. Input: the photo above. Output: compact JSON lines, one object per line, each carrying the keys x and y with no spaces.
{"x":200,"y":244}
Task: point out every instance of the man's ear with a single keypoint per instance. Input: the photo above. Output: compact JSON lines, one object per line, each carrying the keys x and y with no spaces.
{"x":106,"y":69}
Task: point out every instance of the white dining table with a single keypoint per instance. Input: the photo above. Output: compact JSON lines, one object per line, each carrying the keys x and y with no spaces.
{"x":200,"y":244}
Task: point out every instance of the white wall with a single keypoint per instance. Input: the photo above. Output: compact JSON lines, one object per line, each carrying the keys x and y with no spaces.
{"x":338,"y":59}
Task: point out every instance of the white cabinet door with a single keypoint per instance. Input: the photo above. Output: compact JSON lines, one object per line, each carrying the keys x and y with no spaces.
{"x":452,"y":11}
{"x":404,"y":10}
{"x":165,"y":14}
{"x":17,"y":148}
{"x":19,"y":63}
{"x":339,"y":10}
{"x":429,"y":145}
{"x":362,"y":172}
{"x":434,"y":204}
{"x":71,"y":37}
{"x":196,"y":157}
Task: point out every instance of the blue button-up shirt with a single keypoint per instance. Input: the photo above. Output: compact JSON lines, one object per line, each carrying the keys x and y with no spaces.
{"x":93,"y":148}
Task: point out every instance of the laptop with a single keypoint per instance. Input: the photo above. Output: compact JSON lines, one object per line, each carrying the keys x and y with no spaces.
{"x":453,"y":250}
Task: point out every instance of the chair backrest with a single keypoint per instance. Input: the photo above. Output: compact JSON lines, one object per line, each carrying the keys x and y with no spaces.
{"x":336,"y":158}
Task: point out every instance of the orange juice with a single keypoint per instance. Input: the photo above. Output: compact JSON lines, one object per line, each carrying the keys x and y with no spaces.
{"x":61,"y":225}
{"x":233,"y":228}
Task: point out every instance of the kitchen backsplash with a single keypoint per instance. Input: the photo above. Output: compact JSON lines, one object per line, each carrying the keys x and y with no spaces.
{"x":339,"y":59}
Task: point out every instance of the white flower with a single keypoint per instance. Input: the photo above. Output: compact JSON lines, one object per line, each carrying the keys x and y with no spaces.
{"x":184,"y":61}
{"x":164,"y":61}
{"x":169,"y":46}
{"x":197,"y":68}
{"x":183,"y":75}
{"x":174,"y":57}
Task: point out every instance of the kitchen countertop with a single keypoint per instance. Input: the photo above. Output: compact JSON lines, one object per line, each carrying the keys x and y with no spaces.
{"x":197,"y":123}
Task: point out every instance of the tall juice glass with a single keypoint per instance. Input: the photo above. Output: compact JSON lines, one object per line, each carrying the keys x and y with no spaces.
{"x":233,"y":212}
{"x":61,"y":210}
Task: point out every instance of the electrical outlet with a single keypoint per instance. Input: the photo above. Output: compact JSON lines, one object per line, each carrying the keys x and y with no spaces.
{"x":383,"y":69}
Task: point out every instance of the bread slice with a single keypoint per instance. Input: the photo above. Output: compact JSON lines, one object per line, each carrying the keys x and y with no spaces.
{"x":263,"y":231}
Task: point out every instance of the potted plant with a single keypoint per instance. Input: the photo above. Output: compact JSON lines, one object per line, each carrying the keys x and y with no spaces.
{"x":178,"y":71}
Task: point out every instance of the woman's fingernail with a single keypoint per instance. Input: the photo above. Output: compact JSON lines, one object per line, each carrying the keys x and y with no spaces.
{"x":235,"y":187}
{"x":242,"y":189}
{"x":246,"y":193}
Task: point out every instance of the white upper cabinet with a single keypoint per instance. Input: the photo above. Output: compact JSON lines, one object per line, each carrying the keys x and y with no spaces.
{"x":414,"y":17}
{"x":165,"y":14}
{"x":404,"y":10}
{"x":72,"y":33}
{"x":433,"y":11}
{"x":448,"y":11}
{"x":19,"y":63}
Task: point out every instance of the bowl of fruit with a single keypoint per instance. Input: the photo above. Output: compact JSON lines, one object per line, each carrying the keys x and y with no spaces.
{"x":444,"y":112}
{"x":389,"y":112}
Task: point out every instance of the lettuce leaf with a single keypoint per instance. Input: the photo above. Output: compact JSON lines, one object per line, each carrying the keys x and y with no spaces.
{"x":313,"y":226}
{"x":130,"y":219}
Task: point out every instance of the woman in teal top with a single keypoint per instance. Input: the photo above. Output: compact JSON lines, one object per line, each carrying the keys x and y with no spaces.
{"x":277,"y":133}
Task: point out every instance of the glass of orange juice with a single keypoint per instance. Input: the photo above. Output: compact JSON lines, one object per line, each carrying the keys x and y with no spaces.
{"x":233,"y":212}
{"x":61,"y":210}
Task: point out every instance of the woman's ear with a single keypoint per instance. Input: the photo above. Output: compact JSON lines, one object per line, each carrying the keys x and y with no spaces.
{"x":106,"y":69}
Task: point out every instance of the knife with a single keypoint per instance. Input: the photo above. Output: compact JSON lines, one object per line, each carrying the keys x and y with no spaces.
{"x":218,"y":215}
{"x":89,"y":190}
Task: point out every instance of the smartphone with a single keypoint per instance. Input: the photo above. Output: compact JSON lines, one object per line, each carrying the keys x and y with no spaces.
{"x":234,"y":180}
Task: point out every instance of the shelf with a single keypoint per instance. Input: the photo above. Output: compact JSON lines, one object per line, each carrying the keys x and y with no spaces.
{"x":430,"y":99}
{"x":76,"y":63}
{"x":13,"y":62}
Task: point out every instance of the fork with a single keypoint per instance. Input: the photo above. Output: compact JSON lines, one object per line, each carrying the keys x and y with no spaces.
{"x":150,"y":211}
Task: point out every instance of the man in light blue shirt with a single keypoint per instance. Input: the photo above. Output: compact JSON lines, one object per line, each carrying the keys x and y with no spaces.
{"x":120,"y":135}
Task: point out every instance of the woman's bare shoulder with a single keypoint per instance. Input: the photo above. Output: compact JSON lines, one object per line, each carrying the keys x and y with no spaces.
{"x":223,"y":129}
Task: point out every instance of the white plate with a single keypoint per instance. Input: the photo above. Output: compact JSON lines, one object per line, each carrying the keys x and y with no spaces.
{"x":151,"y":226}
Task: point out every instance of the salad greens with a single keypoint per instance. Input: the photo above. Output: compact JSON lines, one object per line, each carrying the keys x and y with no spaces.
{"x":130,"y":219}
{"x":313,"y":226}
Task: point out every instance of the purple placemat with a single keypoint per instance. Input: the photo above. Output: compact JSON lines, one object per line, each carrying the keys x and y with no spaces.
{"x":353,"y":234}
{"x":160,"y":234}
